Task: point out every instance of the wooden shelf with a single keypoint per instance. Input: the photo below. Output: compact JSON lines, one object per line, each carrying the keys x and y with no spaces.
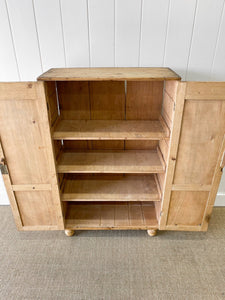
{"x":117,"y":74}
{"x":110,"y":130}
{"x":111,"y":188}
{"x":124,"y":215}
{"x":125,"y":161}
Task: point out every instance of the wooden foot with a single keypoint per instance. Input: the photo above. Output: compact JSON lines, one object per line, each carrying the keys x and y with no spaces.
{"x":152,"y":232}
{"x":69,"y":232}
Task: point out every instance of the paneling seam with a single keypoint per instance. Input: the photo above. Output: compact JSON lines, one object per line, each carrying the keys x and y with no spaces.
{"x":140,"y":34}
{"x":192,"y":33}
{"x":89,"y":42}
{"x":167,"y":29}
{"x":217,"y":40}
{"x":13,"y":44}
{"x":39,"y":48}
{"x":63,"y":39}
{"x":114,"y":33}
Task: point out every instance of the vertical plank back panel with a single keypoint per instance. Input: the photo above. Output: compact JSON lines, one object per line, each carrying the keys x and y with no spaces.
{"x":144,"y":100}
{"x":74,"y":100}
{"x":107,"y":100}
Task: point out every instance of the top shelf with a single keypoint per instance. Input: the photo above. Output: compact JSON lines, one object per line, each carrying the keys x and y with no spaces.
{"x":116,"y":74}
{"x":110,"y":130}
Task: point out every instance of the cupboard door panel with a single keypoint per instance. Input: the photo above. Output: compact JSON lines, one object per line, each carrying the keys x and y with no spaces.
{"x":36,"y":208}
{"x":23,"y":138}
{"x":198,"y":167}
{"x":200,"y":141}
{"x":27,"y":151}
{"x":187,"y":208}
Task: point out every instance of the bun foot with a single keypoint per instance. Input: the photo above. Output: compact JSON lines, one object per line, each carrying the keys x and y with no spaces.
{"x":69,"y":232}
{"x":152,"y":232}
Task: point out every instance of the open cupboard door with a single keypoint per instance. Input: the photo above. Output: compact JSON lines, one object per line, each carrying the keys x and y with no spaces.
{"x":27,"y":160}
{"x":196,"y":158}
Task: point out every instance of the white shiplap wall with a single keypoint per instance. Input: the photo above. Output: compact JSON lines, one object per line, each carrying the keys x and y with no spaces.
{"x":188,"y":36}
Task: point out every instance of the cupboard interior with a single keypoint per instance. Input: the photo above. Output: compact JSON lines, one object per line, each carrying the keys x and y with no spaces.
{"x":111,"y":141}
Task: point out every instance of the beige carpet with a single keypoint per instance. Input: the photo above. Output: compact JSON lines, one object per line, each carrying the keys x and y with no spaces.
{"x":112,"y":264}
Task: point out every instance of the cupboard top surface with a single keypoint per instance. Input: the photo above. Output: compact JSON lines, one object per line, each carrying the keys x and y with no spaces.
{"x":95,"y":74}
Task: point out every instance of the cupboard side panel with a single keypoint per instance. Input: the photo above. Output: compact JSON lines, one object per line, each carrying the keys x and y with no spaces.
{"x":51,"y":99}
{"x":166,"y":180}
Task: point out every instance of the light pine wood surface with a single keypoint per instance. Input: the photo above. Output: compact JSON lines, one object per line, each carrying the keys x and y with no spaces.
{"x":111,"y":188}
{"x":136,"y":74}
{"x":111,"y":216}
{"x":127,"y":161}
{"x":112,"y":149}
{"x":109,"y":130}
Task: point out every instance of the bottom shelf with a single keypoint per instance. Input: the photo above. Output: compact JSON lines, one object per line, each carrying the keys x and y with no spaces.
{"x":125,"y":215}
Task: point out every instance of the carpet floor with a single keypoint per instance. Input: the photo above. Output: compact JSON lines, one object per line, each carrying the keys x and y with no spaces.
{"x":112,"y":264}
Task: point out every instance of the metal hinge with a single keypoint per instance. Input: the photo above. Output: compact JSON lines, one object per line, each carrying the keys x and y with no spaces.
{"x":222,"y":163}
{"x":3,"y":167}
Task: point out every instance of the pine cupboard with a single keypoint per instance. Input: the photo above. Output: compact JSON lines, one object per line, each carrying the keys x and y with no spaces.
{"x":112,"y":148}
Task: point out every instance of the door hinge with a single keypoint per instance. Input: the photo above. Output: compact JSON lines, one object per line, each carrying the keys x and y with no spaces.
{"x":3,"y":167}
{"x":222,"y":163}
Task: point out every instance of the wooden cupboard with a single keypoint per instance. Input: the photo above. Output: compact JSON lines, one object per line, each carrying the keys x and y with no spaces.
{"x":112,"y":148}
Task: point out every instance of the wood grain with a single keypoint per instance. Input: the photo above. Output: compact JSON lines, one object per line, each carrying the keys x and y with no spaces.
{"x":187,"y":208}
{"x":107,"y":100}
{"x":111,"y":188}
{"x":51,"y":99}
{"x":28,"y":151}
{"x":109,"y":130}
{"x":167,"y":182}
{"x":144,"y":100}
{"x":93,"y":216}
{"x":205,"y":91}
{"x":36,"y":208}
{"x":203,"y":128}
{"x":74,"y":100}
{"x":20,"y":91}
{"x":11,"y":194}
{"x":126,"y":161}
{"x":117,"y":74}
